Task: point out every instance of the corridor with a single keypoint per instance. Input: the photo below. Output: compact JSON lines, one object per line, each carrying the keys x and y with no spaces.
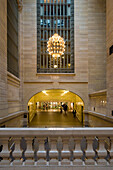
{"x":54,"y":119}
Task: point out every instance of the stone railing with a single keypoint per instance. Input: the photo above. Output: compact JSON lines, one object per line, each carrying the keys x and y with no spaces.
{"x":94,"y":119}
{"x":56,"y":147}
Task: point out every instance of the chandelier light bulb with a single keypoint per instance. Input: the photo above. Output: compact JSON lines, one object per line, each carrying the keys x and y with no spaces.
{"x":56,"y":46}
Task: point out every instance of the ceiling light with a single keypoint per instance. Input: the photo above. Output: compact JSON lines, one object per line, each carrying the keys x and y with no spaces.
{"x":30,"y":103}
{"x":44,"y":92}
{"x":65,"y":92}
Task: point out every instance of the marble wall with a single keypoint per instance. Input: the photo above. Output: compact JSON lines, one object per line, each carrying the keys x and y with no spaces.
{"x":109,"y":40}
{"x":96,"y":45}
{"x":90,"y":56}
{"x":3,"y":58}
{"x":98,"y":103}
{"x":90,"y":53}
{"x":10,"y":86}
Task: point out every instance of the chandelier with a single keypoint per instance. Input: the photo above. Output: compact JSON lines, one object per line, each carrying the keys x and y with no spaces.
{"x":56,"y":46}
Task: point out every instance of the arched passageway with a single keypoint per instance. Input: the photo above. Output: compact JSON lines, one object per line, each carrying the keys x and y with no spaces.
{"x":48,"y":109}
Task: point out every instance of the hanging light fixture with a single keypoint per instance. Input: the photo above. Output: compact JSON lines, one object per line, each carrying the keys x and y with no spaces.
{"x":56,"y":46}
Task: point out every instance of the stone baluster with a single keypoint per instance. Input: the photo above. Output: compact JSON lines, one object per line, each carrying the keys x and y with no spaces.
{"x":107,"y":147}
{"x":17,"y":152}
{"x":71,"y":149}
{"x":35,"y":147}
{"x":59,"y":148}
{"x":77,"y":152}
{"x":95,"y":148}
{"x":53,"y":152}
{"x":11,"y":147}
{"x":29,"y":154}
{"x":5,"y":151}
{"x":23,"y":147}
{"x":65,"y":152}
{"x":90,"y":152}
{"x":1,"y":148}
{"x":83,"y":148}
{"x":47,"y":148}
{"x":111,"y":150}
{"x":102,"y":151}
{"x":41,"y":152}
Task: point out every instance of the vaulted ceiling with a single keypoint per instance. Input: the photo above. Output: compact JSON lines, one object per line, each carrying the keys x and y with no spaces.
{"x":55,"y":95}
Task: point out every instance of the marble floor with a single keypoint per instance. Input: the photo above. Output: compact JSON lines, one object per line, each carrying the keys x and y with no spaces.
{"x":54,"y":119}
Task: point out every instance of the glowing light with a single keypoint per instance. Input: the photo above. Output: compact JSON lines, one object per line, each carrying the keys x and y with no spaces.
{"x":79,"y":103}
{"x":65,"y":92}
{"x":30,"y":103}
{"x":56,"y":46}
{"x":44,"y":92}
{"x":69,"y":65}
{"x":55,"y":66}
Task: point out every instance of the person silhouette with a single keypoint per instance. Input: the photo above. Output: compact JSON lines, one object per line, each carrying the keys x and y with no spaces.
{"x":65,"y":108}
{"x":74,"y":113}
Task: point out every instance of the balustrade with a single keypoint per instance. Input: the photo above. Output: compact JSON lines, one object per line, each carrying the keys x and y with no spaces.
{"x":56,"y":146}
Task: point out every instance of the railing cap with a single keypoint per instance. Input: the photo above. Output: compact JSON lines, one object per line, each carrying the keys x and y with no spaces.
{"x":28,"y":132}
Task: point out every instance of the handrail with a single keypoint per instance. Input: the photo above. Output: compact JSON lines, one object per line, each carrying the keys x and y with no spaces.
{"x":56,"y":131}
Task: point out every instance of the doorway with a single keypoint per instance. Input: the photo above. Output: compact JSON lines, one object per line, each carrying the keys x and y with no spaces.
{"x":46,"y":109}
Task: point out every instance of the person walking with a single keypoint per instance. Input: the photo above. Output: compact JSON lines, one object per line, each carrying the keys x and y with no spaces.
{"x":74,"y":113}
{"x":65,"y":108}
{"x":61,"y":109}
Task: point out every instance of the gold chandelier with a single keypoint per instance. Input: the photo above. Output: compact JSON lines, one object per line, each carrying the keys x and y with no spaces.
{"x":56,"y":46}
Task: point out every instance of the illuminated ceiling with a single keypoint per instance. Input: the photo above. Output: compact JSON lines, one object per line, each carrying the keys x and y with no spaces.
{"x":55,"y":95}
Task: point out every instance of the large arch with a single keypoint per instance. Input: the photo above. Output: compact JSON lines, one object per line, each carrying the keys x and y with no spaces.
{"x":58,"y":91}
{"x":80,"y":90}
{"x":58,"y":96}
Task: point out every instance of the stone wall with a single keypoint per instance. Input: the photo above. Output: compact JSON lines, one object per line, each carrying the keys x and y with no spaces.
{"x":33,"y":82}
{"x":96,"y":45}
{"x":90,"y":53}
{"x":3,"y":58}
{"x":10,"y":86}
{"x":16,"y":122}
{"x":13,"y":93}
{"x":98,"y":102}
{"x":90,"y":56}
{"x":109,"y":34}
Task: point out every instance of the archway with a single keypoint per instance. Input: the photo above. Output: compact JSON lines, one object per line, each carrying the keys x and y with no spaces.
{"x":47,"y":102}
